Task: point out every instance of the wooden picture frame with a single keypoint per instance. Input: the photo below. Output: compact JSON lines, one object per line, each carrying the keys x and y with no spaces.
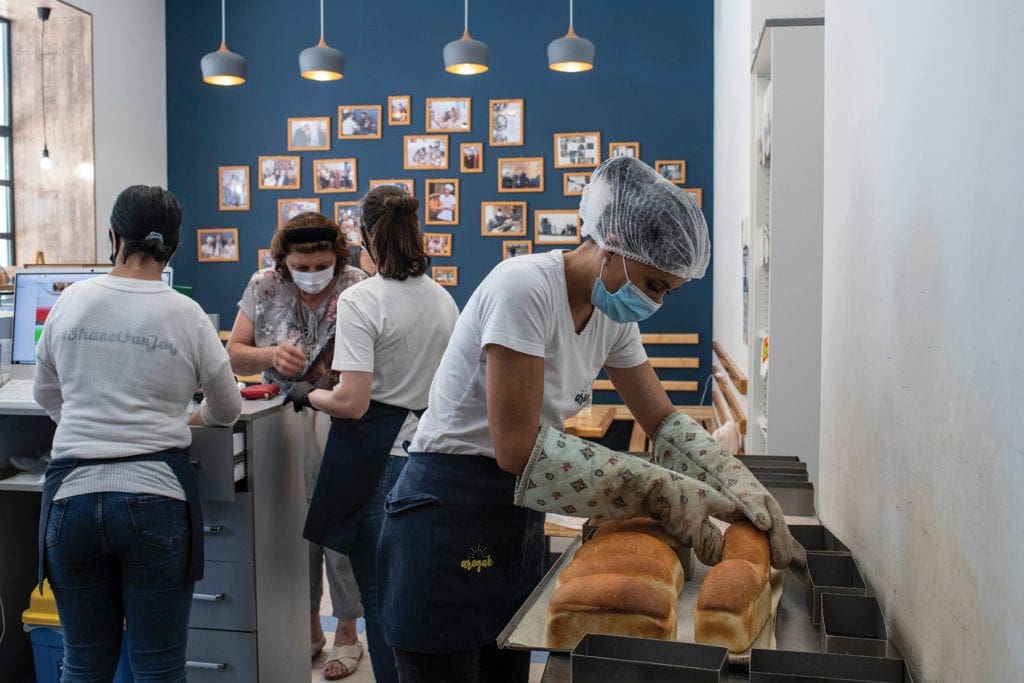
{"x":279,"y":172}
{"x":449,"y":115}
{"x":672,"y":170}
{"x":623,"y":149}
{"x":557,"y":224}
{"x":446,"y":276}
{"x":521,"y":174}
{"x":309,"y":133}
{"x":350,"y":221}
{"x":264,"y":260}
{"x":511,"y":248}
{"x":233,"y":188}
{"x":571,"y":185}
{"x":471,"y":157}
{"x":293,"y":206}
{"x":441,"y":199}
{"x":577,"y":150}
{"x":425,"y":152}
{"x":359,"y":122}
{"x":407,"y":184}
{"x":503,"y":219}
{"x":216,"y":245}
{"x":399,"y":110}
{"x":698,"y":194}
{"x":505,"y":122}
{"x":437,"y":243}
{"x":335,"y":175}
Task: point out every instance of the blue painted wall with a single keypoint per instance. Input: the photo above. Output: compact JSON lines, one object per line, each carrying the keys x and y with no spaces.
{"x":652,"y":84}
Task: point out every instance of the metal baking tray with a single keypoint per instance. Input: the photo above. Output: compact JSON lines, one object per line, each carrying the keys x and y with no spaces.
{"x":781,"y":666}
{"x":614,"y":659}
{"x":853,"y":625}
{"x":816,"y":538}
{"x":831,"y":574}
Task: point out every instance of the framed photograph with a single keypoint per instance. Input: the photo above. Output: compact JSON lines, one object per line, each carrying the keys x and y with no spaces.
{"x":471,"y":157}
{"x":521,"y":174}
{"x":446,"y":276}
{"x":425,"y":152}
{"x":359,"y":121}
{"x":311,"y":133}
{"x":697,"y":193}
{"x":623,"y":149}
{"x":233,"y":187}
{"x":264,"y":259}
{"x":672,"y":170}
{"x":399,"y":110}
{"x":442,"y":196}
{"x":577,"y":149}
{"x":448,"y":114}
{"x":573,"y":183}
{"x":437,"y":243}
{"x":404,"y":183}
{"x":513,"y":248}
{"x":217,"y":244}
{"x":280,"y":173}
{"x":290,"y":208}
{"x":556,"y":226}
{"x":503,"y":219}
{"x":505,"y":122}
{"x":348,"y":218}
{"x":334,"y":175}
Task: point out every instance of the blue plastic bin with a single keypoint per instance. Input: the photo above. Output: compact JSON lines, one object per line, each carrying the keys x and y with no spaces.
{"x":48,"y":651}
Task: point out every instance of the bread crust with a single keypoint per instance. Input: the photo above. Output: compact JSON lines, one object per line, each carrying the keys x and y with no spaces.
{"x":646,"y":569}
{"x":633,"y":543}
{"x":720,"y":618}
{"x":640,"y":525}
{"x":744,"y":541}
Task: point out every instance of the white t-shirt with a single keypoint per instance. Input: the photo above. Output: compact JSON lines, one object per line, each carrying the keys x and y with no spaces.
{"x":397,"y":330}
{"x":523,"y":305}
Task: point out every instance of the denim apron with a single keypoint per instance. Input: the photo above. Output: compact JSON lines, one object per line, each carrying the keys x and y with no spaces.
{"x":356,"y":453}
{"x":184,"y":469}
{"x":456,"y":558}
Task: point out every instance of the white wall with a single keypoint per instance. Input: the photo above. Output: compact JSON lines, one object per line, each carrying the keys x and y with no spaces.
{"x":130,"y":103}
{"x":922,"y":445}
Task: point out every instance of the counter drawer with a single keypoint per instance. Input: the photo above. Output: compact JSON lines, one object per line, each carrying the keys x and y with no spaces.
{"x":225,"y":598}
{"x":213,"y":449}
{"x":228,"y":529}
{"x":218,"y":656}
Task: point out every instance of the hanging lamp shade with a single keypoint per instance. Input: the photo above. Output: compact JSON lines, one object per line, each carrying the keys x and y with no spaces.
{"x":322,"y":62}
{"x":223,"y":67}
{"x":466,"y":56}
{"x":571,"y":53}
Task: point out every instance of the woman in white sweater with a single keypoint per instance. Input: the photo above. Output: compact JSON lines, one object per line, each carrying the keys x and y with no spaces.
{"x":120,"y":530}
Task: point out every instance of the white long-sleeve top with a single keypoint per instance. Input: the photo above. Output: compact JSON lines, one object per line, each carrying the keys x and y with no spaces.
{"x":117,"y":364}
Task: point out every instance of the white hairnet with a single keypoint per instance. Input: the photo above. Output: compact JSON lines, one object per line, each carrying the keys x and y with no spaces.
{"x":629,"y":209}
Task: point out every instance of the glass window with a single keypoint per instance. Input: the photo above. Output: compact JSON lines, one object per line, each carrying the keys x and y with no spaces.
{"x":6,"y":181}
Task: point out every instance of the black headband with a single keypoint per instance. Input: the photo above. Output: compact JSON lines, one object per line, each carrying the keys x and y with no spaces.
{"x":311,"y":233}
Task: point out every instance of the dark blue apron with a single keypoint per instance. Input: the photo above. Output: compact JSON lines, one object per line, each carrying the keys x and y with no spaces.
{"x":184,"y":469}
{"x":456,"y":558}
{"x":357,"y":451}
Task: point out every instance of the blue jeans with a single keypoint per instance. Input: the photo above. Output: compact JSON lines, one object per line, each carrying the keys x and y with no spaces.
{"x":364,"y":564}
{"x":117,"y":557}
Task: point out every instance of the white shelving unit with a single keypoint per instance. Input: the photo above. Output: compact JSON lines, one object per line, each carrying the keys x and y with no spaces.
{"x":785,"y":263}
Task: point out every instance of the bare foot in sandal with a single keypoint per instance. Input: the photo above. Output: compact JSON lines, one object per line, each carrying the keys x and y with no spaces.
{"x":344,"y":657}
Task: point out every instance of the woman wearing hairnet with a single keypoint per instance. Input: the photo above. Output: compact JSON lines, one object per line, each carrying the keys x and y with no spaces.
{"x":462,"y":545}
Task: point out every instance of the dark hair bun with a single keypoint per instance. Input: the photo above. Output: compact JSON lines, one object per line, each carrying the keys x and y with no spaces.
{"x":148,"y":218}
{"x":402,"y":205}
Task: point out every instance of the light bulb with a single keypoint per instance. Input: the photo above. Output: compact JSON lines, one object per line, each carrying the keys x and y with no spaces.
{"x":46,"y":163}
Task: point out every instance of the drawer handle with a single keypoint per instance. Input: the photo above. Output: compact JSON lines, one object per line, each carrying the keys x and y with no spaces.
{"x":214,"y":666}
{"x":209,"y":597}
{"x":215,"y":529}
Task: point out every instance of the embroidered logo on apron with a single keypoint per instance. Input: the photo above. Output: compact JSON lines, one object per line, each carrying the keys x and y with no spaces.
{"x":479,"y":559}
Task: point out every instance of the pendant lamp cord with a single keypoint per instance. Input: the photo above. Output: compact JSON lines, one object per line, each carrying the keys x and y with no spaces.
{"x":223,"y":35}
{"x":465,"y":14}
{"x":321,"y":19}
{"x":42,"y":76}
{"x":570,"y":13}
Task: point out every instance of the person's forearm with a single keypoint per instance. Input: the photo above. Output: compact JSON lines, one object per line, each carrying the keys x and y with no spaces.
{"x":248,"y":360}
{"x":338,"y":403}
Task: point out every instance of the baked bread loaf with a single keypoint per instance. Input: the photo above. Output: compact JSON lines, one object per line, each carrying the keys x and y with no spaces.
{"x":646,"y":569}
{"x":611,"y":604}
{"x":633,"y":543}
{"x":734,"y":604}
{"x":744,"y":541}
{"x":646,"y":525}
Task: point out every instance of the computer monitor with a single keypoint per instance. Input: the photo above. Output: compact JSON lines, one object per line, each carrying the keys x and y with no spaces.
{"x":35,"y":291}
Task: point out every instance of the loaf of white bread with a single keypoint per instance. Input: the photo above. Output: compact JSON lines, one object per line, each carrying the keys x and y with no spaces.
{"x":641,"y":525}
{"x":619,"y":584}
{"x":735,"y":600}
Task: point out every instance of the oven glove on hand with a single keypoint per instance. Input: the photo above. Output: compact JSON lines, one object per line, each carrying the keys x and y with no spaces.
{"x":683,"y":446}
{"x":568,"y":475}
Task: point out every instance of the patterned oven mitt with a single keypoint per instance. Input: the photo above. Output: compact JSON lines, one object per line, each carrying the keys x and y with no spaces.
{"x":683,"y":446}
{"x":571,"y":476}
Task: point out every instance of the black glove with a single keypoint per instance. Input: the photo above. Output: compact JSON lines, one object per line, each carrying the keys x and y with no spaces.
{"x":298,"y":396}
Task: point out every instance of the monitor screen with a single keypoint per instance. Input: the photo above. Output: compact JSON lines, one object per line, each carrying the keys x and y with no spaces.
{"x":35,"y":291}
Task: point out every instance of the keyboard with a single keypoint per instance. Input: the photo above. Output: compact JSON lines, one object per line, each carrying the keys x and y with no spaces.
{"x":17,"y":390}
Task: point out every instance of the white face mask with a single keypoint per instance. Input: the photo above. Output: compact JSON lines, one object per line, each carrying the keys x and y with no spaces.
{"x":312,"y":283}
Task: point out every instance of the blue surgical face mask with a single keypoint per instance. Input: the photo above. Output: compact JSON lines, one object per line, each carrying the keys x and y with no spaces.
{"x":627,"y":305}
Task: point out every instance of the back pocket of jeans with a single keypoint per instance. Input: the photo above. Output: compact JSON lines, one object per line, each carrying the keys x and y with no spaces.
{"x":55,"y":521}
{"x":159,"y":521}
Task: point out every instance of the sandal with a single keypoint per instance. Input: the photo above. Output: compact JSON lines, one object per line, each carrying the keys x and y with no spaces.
{"x":348,"y":656}
{"x":316,"y":647}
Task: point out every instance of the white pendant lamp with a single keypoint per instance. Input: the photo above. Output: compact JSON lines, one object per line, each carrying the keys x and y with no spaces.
{"x":321,"y":62}
{"x":466,"y":56}
{"x":45,"y":162}
{"x":571,"y":53}
{"x":223,"y":67}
